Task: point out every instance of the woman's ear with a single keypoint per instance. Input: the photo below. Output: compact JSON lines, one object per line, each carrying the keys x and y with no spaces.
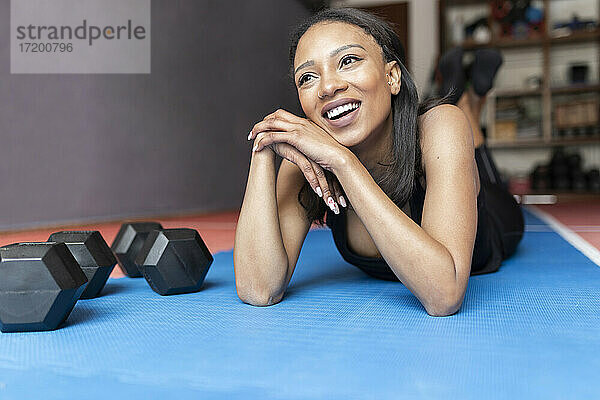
{"x":393,"y":75}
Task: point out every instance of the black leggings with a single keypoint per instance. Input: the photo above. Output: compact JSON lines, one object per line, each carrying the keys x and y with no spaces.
{"x":500,"y":205}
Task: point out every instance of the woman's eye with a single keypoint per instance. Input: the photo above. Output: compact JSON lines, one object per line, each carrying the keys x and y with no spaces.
{"x":303,"y":79}
{"x":349,"y":60}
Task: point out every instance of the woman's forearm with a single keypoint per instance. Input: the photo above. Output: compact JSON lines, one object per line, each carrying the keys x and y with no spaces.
{"x":423,"y":264}
{"x":259,"y":257}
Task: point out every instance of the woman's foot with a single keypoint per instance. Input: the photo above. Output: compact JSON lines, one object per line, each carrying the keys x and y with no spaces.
{"x":453,"y":75}
{"x":484,"y":69}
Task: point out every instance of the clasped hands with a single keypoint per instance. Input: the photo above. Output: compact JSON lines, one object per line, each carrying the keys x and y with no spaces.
{"x":307,"y":145}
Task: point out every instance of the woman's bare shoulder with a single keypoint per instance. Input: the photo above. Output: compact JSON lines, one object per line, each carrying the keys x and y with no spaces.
{"x":443,"y":113}
{"x":444,"y":126}
{"x":445,"y":122}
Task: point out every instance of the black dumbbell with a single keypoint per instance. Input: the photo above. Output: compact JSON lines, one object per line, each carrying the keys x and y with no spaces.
{"x":128,"y":243}
{"x":574,"y":162}
{"x":578,"y":181}
{"x":558,"y":161}
{"x":593,"y":180}
{"x":540,"y":178}
{"x":39,"y":286}
{"x":93,"y":255}
{"x":174,"y":261}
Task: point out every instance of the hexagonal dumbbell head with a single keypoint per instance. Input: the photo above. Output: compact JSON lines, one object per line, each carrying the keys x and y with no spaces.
{"x":39,"y":286}
{"x":174,"y":261}
{"x":93,"y":255}
{"x":129,"y":242}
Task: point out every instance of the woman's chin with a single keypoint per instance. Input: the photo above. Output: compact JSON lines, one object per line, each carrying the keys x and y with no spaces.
{"x":344,"y":136}
{"x":347,"y":139}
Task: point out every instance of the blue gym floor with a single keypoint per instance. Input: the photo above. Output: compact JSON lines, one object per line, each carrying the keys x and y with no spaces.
{"x":529,"y":331}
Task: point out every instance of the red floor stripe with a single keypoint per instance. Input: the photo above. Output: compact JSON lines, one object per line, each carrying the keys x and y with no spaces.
{"x":217,"y":231}
{"x":581,"y":217}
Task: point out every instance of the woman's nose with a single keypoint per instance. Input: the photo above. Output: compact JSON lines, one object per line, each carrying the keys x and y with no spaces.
{"x":331,"y":84}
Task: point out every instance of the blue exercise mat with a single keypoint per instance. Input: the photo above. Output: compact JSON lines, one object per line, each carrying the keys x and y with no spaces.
{"x":529,"y":331}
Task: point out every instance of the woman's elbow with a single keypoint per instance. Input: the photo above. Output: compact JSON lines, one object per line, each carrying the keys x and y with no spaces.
{"x":445,"y":304}
{"x":447,"y":296}
{"x":443,"y":309}
{"x":253,"y":290}
{"x":258,"y":299}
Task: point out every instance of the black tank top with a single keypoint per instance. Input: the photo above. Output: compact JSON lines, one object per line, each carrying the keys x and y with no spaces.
{"x":487,"y":251}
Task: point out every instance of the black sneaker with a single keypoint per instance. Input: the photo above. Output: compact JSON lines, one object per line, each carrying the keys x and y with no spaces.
{"x":484,"y":69}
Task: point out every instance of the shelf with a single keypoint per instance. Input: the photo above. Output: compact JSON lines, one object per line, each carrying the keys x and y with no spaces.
{"x":583,"y":88}
{"x":517,"y":92}
{"x":575,"y":37}
{"x":533,"y":143}
{"x":575,"y":89}
{"x":503,"y":43}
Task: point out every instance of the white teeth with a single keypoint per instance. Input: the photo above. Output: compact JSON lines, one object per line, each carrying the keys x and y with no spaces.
{"x":340,"y":109}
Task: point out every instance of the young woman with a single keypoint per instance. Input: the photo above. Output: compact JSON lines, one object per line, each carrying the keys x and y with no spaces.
{"x":407,"y":194}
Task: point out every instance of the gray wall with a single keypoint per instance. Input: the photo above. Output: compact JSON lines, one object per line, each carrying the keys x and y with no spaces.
{"x":100,"y":147}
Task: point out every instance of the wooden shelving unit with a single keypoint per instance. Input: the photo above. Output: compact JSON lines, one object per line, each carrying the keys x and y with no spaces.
{"x":541,"y":41}
{"x":546,"y":94}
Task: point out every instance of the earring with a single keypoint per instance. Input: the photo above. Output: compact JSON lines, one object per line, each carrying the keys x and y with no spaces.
{"x":389,"y":82}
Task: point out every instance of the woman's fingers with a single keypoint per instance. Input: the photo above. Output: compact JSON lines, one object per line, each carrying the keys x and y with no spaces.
{"x":331,"y":196}
{"x":280,"y":120}
{"x":312,"y":176}
{"x":325,"y":190}
{"x":266,"y":138}
{"x":292,"y":154}
{"x":339,"y":193}
{"x":322,"y":182}
{"x":273,"y":122}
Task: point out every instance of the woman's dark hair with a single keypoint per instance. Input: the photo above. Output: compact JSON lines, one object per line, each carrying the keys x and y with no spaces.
{"x":399,"y":177}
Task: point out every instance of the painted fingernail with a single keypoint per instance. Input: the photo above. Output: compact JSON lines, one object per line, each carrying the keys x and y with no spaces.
{"x":336,"y":210}
{"x":255,"y":147}
{"x":331,"y":203}
{"x":342,"y":201}
{"x":318,"y":190}
{"x":250,"y":135}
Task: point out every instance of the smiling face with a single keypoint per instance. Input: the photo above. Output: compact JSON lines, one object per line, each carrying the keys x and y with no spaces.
{"x":342,"y":82}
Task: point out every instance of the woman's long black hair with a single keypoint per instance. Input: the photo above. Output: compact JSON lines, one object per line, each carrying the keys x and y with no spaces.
{"x":399,"y":176}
